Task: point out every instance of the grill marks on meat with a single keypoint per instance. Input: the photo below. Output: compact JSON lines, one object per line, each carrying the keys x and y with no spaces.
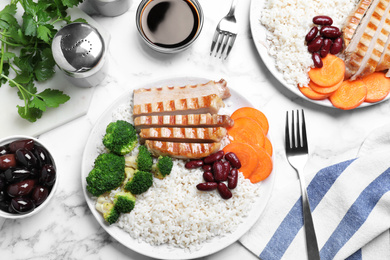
{"x":193,"y":105}
{"x":186,"y":135}
{"x":191,"y":120}
{"x":182,"y":150}
{"x":182,"y":122}
{"x":154,"y":95}
{"x":354,"y":19}
{"x":367,"y":50}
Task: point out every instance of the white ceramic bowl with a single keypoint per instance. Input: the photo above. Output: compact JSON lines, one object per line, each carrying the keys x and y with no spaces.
{"x":3,"y":214}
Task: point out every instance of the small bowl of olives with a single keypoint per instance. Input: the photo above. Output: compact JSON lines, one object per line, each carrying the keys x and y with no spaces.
{"x":28,"y":176}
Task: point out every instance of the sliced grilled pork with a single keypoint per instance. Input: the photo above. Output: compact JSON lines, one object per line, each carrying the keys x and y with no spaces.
{"x":153,"y":95}
{"x":182,"y":150}
{"x":186,"y":134}
{"x":381,"y":22}
{"x":354,"y":19}
{"x":355,"y":51}
{"x":192,"y":120}
{"x":195,"y":105}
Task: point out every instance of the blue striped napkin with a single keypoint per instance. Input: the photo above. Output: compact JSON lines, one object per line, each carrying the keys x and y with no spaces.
{"x":350,"y":203}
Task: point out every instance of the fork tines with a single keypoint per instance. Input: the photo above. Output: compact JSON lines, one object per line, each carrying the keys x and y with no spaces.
{"x":224,"y":39}
{"x":297,"y":132}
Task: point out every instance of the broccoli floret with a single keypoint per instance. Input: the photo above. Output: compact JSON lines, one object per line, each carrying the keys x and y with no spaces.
{"x":106,"y":207}
{"x":108,"y":173}
{"x":111,"y":215}
{"x":144,"y":159}
{"x":163,"y":167}
{"x":120,"y":137}
{"x":140,"y":182}
{"x":124,"y":202}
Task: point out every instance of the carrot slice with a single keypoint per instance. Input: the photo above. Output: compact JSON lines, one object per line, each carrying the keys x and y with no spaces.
{"x":378,"y":86}
{"x":264,"y":166}
{"x":247,"y":130}
{"x":331,"y":72}
{"x":324,"y":90}
{"x":349,"y":95}
{"x":309,"y":93}
{"x":254,"y":114}
{"x":247,"y":156}
{"x":268,"y":146}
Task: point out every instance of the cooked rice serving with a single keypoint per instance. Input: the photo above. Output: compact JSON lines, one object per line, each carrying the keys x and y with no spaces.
{"x":175,"y":213}
{"x":288,"y":22}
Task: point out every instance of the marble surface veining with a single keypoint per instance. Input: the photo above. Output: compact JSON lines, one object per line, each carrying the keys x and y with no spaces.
{"x":66,"y":229}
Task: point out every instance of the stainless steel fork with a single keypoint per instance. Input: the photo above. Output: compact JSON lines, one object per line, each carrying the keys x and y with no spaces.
{"x":297,"y":154}
{"x":225,"y":33}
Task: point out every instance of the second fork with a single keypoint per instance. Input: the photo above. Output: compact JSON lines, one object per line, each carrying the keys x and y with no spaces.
{"x":225,"y":33}
{"x":297,"y":155}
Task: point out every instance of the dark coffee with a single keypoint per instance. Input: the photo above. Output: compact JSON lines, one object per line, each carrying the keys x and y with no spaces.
{"x":169,"y":23}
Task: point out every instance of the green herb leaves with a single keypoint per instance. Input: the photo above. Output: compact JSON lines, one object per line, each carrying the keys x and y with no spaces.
{"x":25,"y":52}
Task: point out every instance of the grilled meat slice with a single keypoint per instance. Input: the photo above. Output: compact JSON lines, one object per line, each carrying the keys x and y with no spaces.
{"x":187,"y":135}
{"x":356,"y":50}
{"x":384,"y":61}
{"x":376,"y":46}
{"x":192,"y":120}
{"x":195,"y":105}
{"x":354,"y":19}
{"x":182,"y":150}
{"x":154,"y":95}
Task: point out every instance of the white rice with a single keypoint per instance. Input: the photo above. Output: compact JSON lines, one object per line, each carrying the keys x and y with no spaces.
{"x":175,"y":213}
{"x":288,"y":22}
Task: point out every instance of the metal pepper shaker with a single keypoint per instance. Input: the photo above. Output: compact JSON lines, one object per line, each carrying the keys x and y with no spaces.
{"x":79,"y":51}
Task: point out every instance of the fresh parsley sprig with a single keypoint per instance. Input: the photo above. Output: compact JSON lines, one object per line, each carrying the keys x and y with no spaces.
{"x":25,"y":52}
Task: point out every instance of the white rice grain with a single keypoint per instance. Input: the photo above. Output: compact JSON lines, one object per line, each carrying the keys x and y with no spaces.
{"x":288,"y":22}
{"x":175,"y":213}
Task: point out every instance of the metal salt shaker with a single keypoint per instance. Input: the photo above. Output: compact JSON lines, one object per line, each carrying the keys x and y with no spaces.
{"x":79,"y":51}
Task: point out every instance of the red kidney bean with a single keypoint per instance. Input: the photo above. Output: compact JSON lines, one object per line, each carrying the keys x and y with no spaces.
{"x":224,"y":191}
{"x":233,"y":159}
{"x":20,"y":188}
{"x":207,"y":186}
{"x":218,"y":171}
{"x":331,"y":32}
{"x":311,"y":34}
{"x":315,"y":45}
{"x":214,"y":157}
{"x":322,"y":20}
{"x":226,"y":170}
{"x":7,"y":161}
{"x":317,"y":60}
{"x":233,"y":179}
{"x":337,"y":46}
{"x":24,"y":143}
{"x":193,"y":164}
{"x":207,"y":168}
{"x":208,"y":176}
{"x":326,"y":47}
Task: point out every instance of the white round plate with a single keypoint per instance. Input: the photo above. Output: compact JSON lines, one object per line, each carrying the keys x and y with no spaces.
{"x":259,"y":33}
{"x":163,"y":251}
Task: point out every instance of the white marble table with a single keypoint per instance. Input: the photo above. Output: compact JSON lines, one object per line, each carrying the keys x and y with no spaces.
{"x":66,"y":229}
